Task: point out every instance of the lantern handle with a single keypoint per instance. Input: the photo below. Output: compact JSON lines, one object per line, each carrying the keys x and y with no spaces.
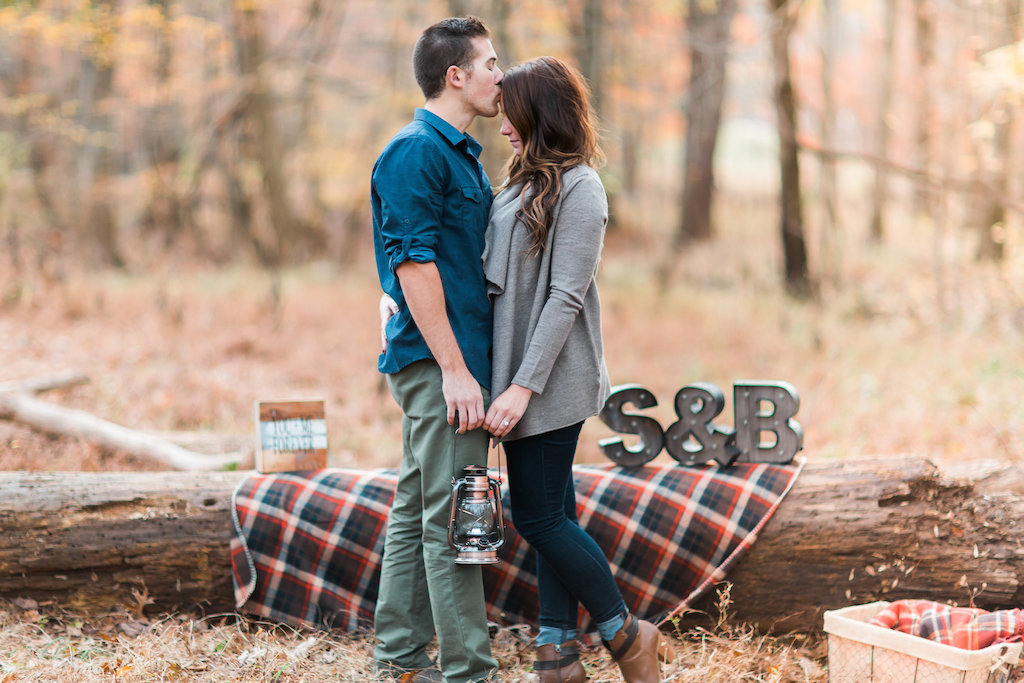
{"x":500,"y":447}
{"x":455,"y":439}
{"x":496,"y":492}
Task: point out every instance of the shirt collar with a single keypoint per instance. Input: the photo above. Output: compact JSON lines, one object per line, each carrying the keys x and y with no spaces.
{"x":450,"y":132}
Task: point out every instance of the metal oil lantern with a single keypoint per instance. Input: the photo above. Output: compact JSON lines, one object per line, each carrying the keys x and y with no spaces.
{"x":475,"y":526}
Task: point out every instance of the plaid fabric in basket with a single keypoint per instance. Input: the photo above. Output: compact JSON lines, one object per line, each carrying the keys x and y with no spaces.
{"x":968,"y":628}
{"x":307,"y":545}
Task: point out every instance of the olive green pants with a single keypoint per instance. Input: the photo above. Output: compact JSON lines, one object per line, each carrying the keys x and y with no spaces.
{"x":423,"y":592}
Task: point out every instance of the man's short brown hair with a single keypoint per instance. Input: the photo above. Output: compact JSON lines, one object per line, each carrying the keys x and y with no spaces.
{"x":448,"y":42}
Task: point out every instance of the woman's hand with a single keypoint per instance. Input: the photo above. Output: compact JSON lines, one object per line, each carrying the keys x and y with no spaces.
{"x":506,"y":410}
{"x":387,"y":308}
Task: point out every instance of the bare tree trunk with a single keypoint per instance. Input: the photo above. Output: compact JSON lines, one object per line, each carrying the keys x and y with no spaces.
{"x":161,"y":143}
{"x":10,"y":286}
{"x":831,"y":242}
{"x":496,"y":14}
{"x":631,"y":137}
{"x":96,"y":163}
{"x":240,"y":206}
{"x":885,"y":80}
{"x":708,"y":30}
{"x":794,"y":247}
{"x":261,"y":135}
{"x":498,"y":23}
{"x":589,"y":46}
{"x":352,"y":216}
{"x":924,"y":44}
{"x":43,"y":249}
{"x":10,"y":289}
{"x":320,"y":32}
{"x":997,"y":171}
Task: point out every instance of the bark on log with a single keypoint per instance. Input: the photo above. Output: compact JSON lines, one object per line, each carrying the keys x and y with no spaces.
{"x":848,"y":532}
{"x":855,"y":532}
{"x":88,"y":540}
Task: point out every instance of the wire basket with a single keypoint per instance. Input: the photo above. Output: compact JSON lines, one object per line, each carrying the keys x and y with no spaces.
{"x":859,"y":652}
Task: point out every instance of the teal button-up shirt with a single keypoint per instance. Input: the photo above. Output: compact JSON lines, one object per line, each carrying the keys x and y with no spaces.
{"x":431,"y":199}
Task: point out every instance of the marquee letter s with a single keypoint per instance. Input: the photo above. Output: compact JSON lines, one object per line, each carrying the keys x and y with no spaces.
{"x":652,"y":438}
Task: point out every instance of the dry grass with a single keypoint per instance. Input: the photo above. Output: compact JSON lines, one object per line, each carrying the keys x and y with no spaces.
{"x":46,"y":645}
{"x":909,"y":350}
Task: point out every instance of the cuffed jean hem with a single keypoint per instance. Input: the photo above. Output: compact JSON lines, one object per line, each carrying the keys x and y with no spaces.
{"x":549,"y":635}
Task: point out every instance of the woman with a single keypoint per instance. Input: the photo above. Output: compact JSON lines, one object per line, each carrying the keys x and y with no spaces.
{"x":543,"y":246}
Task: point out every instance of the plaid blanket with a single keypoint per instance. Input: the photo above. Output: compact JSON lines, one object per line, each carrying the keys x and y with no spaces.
{"x":964,"y":627}
{"x":307,"y":545}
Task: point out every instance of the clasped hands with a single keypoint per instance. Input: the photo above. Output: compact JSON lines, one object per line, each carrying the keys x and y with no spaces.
{"x":461,"y":395}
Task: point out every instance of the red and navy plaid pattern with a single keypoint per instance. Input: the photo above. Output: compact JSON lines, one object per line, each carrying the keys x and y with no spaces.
{"x":964,"y":627}
{"x":308,"y":545}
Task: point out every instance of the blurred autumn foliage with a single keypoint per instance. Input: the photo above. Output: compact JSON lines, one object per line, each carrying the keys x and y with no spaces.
{"x":173,"y":170}
{"x":223,"y":131}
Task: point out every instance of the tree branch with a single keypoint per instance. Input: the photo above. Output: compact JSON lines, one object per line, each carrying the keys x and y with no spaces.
{"x":18,"y":404}
{"x":973,"y":185}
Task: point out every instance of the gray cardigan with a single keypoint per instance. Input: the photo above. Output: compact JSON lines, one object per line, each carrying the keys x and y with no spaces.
{"x":547,"y":313}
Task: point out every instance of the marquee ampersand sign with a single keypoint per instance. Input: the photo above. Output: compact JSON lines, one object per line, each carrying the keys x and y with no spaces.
{"x":764,"y":432}
{"x":694,"y":439}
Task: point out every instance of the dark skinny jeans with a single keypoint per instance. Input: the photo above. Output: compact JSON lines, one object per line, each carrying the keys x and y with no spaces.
{"x":571,"y":568}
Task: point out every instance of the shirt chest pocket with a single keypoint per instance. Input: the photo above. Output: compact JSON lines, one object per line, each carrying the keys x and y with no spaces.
{"x":469,"y":200}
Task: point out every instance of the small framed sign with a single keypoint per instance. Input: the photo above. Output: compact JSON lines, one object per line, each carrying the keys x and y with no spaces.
{"x":290,"y":436}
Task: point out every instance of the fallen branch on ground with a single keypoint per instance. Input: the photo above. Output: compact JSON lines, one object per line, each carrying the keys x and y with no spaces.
{"x":18,"y":403}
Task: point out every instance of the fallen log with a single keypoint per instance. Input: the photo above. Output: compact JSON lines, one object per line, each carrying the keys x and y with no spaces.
{"x":95,"y":541}
{"x":859,"y":531}
{"x":848,"y":532}
{"x":88,"y":540}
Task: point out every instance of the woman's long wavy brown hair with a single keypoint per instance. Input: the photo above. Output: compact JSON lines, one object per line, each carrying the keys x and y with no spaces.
{"x":548,"y":103}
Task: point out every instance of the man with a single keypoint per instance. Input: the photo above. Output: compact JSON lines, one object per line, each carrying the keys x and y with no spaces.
{"x":431,"y":198}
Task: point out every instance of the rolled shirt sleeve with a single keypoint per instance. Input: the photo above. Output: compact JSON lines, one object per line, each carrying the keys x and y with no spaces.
{"x":411,"y":211}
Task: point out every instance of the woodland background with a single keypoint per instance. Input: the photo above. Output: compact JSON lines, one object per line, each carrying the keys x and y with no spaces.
{"x":825,"y":192}
{"x":828,"y":193}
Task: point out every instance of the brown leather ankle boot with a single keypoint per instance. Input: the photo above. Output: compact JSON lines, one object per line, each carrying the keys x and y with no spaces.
{"x":560,"y":663}
{"x":637,"y":648}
